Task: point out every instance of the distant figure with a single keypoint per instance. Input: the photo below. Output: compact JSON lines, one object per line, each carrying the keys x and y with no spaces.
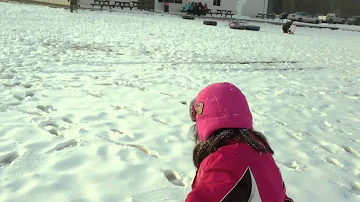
{"x":287,"y":26}
{"x":292,"y":29}
{"x":192,"y":6}
{"x":166,"y":4}
{"x":187,"y":7}
{"x":201,"y":8}
{"x":73,"y":5}
{"x":205,"y":10}
{"x":196,"y":9}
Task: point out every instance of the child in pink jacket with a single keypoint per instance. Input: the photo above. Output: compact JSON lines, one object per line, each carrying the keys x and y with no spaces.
{"x":234,"y":162}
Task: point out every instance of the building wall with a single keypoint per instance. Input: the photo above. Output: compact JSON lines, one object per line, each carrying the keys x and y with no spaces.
{"x":55,"y":2}
{"x":251,"y":7}
{"x":342,"y":7}
{"x":86,"y":3}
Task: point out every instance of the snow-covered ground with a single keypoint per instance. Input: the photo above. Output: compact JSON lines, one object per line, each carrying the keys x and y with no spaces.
{"x":94,"y":105}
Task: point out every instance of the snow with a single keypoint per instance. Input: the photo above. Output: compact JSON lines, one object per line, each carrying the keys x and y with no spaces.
{"x":94,"y":105}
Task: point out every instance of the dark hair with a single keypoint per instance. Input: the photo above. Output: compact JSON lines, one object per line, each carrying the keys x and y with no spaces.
{"x":224,"y":137}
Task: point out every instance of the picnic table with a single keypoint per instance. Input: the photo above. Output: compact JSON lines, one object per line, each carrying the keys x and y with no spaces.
{"x":266,"y":15}
{"x":125,"y":4}
{"x":101,"y":3}
{"x":135,"y":3}
{"x":224,"y":12}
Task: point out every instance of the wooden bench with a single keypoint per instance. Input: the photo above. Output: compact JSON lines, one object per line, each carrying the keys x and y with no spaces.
{"x":123,"y":4}
{"x":101,"y":3}
{"x":134,"y":4}
{"x":209,"y":12}
{"x":229,"y":13}
{"x":270,"y":16}
{"x":224,"y":12}
{"x":265,"y":15}
{"x":260,"y":15}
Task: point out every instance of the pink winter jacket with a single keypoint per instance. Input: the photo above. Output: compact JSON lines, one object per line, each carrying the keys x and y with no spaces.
{"x":238,"y":173}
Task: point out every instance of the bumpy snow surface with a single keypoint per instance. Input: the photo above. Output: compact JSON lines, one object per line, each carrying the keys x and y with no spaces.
{"x":94,"y":105}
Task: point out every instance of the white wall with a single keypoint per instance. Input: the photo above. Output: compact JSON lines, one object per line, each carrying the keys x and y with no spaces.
{"x":86,"y":3}
{"x":251,"y":9}
{"x":57,"y":2}
{"x":173,"y":7}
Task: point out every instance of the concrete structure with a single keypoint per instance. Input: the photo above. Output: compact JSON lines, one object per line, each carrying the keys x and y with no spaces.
{"x":248,"y":8}
{"x":53,"y":3}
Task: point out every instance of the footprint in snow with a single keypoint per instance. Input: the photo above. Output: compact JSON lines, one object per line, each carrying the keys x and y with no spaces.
{"x":13,"y":84}
{"x":354,"y":140}
{"x":18,"y":96}
{"x":27,"y":85}
{"x":334,"y":161}
{"x":116,"y":131}
{"x":173,"y":177}
{"x":116,"y":107}
{"x":51,"y":127}
{"x":145,"y":150}
{"x":142,"y":148}
{"x":8,"y":158}
{"x":350,"y":150}
{"x":280,"y":123}
{"x":293,"y":164}
{"x":295,"y":135}
{"x":167,"y":94}
{"x":355,"y":186}
{"x":64,"y":145}
{"x":184,"y":102}
{"x":21,"y":95}
{"x":97,"y":95}
{"x":95,"y":77}
{"x":326,"y":123}
{"x":158,"y":120}
{"x":7,"y":76}
{"x":46,"y":108}
{"x":29,"y":94}
{"x":329,"y":147}
{"x":68,"y":119}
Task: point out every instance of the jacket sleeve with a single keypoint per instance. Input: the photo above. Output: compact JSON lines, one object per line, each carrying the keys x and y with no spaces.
{"x":218,"y":183}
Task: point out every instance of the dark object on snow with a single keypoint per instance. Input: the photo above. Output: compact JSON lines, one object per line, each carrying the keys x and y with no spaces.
{"x":283,"y":16}
{"x":252,"y":27}
{"x":212,"y":23}
{"x":166,"y":6}
{"x":73,"y":5}
{"x":235,"y":25}
{"x":188,"y":17}
{"x":287,"y":26}
{"x":242,"y":26}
